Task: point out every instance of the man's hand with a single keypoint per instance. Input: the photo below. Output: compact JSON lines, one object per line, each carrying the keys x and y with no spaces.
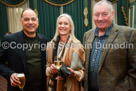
{"x":14,"y":80}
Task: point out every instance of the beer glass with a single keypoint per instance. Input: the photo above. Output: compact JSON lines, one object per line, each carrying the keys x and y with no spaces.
{"x":22,"y":79}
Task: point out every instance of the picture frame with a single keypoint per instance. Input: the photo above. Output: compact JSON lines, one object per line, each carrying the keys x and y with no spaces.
{"x":131,"y":16}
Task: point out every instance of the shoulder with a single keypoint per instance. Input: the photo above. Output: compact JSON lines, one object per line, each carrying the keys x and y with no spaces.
{"x":50,"y":43}
{"x":126,"y":30}
{"x":42,"y":37}
{"x":89,"y":32}
{"x":77,"y":46}
{"x":12,"y":36}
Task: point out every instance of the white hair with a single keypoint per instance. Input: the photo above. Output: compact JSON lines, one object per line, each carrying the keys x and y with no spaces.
{"x":103,"y":2}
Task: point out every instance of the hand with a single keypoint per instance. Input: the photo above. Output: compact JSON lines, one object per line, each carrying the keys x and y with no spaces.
{"x":72,"y":72}
{"x":53,"y":69}
{"x":14,"y":80}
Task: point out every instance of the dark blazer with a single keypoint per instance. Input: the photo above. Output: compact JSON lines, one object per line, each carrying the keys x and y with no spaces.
{"x":16,"y":57}
{"x":117,"y":70}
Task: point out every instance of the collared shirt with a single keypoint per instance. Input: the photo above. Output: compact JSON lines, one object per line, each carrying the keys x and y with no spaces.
{"x":96,"y":53}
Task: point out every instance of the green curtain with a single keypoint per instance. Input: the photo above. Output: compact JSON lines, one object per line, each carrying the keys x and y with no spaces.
{"x":76,"y":9}
{"x":47,"y":15}
{"x":31,"y":4}
{"x":122,"y":11}
{"x":3,"y":20}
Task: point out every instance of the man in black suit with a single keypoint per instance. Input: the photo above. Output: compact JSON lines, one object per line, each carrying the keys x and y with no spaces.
{"x":24,"y":52}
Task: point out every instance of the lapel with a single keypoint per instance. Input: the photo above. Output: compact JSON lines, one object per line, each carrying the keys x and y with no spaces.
{"x":43,"y":53}
{"x":111,"y":38}
{"x":88,"y":46}
{"x":90,"y":40}
{"x":20,"y":39}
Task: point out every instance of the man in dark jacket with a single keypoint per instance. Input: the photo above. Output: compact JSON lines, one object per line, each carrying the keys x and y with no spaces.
{"x":24,"y":52}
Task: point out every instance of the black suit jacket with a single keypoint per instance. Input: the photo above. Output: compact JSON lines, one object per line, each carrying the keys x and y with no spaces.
{"x":12,"y":51}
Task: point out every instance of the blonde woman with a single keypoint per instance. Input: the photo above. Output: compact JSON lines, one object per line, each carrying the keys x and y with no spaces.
{"x":66,"y":47}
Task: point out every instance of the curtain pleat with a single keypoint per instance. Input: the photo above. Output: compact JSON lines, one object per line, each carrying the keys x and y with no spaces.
{"x":3,"y":20}
{"x":47,"y":15}
{"x":76,"y":9}
{"x":14,"y":16}
{"x":122,"y":11}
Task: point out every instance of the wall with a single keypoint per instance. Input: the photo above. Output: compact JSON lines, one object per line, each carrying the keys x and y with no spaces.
{"x":132,"y":13}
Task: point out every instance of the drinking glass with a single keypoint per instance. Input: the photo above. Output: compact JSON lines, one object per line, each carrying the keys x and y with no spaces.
{"x":58,"y":63}
{"x":22,"y":79}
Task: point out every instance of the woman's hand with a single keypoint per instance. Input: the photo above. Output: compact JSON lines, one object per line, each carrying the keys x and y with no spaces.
{"x":72,"y":72}
{"x":53,"y":69}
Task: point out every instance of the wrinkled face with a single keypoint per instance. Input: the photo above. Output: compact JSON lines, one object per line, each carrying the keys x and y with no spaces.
{"x":103,"y":16}
{"x":29,"y":22}
{"x":64,"y":26}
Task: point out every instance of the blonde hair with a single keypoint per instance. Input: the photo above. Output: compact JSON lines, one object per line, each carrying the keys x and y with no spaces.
{"x":71,"y":24}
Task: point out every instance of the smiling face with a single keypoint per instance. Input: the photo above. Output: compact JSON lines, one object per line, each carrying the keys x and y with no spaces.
{"x":29,"y":22}
{"x":63,"y":26}
{"x":103,"y":16}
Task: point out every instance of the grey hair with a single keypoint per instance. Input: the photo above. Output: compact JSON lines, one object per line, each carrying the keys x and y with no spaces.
{"x":71,"y":25}
{"x":102,"y":2}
